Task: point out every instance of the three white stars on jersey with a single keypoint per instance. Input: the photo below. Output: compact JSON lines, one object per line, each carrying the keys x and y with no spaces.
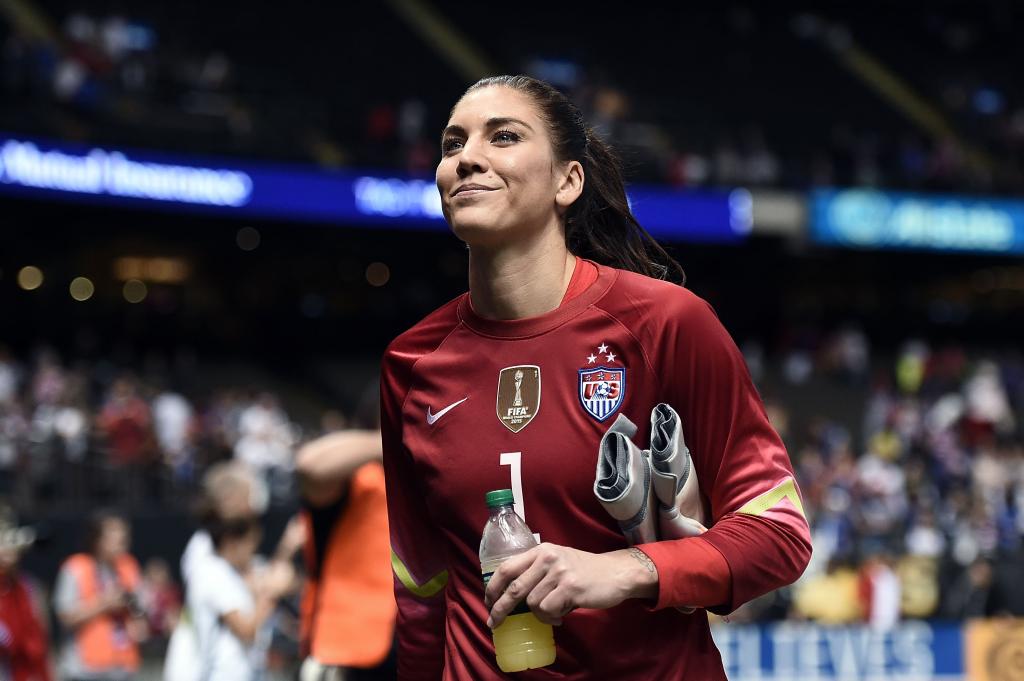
{"x":602,"y":383}
{"x":602,"y":349}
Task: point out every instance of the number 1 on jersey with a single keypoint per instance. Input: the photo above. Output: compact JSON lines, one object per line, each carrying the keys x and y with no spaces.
{"x":514,"y":460}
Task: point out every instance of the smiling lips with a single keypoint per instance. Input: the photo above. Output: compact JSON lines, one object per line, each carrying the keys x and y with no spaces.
{"x":470,"y":190}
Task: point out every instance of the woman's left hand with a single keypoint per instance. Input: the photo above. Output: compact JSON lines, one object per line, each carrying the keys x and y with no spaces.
{"x":554,"y":580}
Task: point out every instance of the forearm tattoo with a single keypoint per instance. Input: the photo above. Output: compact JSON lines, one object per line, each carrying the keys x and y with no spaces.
{"x":643,"y":558}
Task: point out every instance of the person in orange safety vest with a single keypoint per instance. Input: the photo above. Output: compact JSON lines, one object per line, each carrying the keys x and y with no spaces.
{"x":97,"y":605}
{"x":348,"y":606}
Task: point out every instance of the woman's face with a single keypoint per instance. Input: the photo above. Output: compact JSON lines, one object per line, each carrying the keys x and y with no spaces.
{"x":113,"y":540}
{"x":239,"y":551}
{"x":496,"y":142}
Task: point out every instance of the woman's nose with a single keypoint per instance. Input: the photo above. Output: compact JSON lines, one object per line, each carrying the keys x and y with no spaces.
{"x":471,"y":159}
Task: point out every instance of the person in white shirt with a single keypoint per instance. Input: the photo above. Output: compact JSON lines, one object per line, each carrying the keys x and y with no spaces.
{"x":230,"y":490}
{"x":172,"y":420}
{"x":227,"y":613}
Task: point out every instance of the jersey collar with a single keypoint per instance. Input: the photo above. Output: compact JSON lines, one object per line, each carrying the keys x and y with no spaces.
{"x":534,"y":326}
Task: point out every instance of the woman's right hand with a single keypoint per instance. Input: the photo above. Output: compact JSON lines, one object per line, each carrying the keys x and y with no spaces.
{"x":276,"y":579}
{"x":114,"y":600}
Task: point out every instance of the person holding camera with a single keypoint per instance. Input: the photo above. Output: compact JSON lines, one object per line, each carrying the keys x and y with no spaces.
{"x":97,"y":605}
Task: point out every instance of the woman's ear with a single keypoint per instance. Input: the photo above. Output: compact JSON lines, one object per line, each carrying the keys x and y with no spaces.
{"x":571,"y":186}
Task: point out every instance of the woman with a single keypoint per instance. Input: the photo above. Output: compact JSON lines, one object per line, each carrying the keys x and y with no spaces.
{"x":96,"y":600}
{"x":228,"y":611}
{"x":230,"y":492}
{"x":566,"y":302}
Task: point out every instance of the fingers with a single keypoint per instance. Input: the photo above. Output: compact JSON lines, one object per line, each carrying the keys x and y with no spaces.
{"x":506,"y":572}
{"x":556,"y":605}
{"x":540,"y":579}
{"x":538,"y":595}
{"x":518,"y":589}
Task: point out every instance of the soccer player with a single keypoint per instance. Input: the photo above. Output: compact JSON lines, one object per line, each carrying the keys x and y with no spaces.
{"x":566,"y":324}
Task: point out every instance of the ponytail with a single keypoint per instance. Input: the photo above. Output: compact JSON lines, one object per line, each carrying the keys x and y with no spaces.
{"x":599,"y":225}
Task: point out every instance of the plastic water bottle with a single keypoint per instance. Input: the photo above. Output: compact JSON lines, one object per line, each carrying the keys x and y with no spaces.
{"x":521,"y":641}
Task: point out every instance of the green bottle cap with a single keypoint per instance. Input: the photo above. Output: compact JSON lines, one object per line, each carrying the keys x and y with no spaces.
{"x":500,"y":497}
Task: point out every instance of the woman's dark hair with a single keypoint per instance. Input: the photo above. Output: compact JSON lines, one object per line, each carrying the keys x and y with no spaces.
{"x":222,"y":530}
{"x":95,"y":525}
{"x":599,"y":225}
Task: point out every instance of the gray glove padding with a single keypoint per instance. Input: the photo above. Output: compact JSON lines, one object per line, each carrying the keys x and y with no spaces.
{"x":623,"y":483}
{"x":651,"y":493}
{"x":680,"y":509}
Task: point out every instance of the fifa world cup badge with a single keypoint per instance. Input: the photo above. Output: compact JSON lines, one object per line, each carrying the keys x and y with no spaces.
{"x":602,"y":383}
{"x":518,"y":396}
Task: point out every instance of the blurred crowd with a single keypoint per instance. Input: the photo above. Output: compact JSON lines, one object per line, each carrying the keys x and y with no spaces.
{"x":237,"y":613}
{"x":72,"y":436}
{"x":915,"y":495}
{"x":753,"y":121}
{"x":118,"y":74}
{"x":768,"y":120}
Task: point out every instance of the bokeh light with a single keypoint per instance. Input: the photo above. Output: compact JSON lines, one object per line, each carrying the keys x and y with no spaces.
{"x":81,"y":288}
{"x":378,"y":274}
{"x":135,"y":291}
{"x":30,"y":277}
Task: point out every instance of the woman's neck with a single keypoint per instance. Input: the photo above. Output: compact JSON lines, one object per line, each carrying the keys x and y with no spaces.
{"x":525,"y":279}
{"x":232,"y":558}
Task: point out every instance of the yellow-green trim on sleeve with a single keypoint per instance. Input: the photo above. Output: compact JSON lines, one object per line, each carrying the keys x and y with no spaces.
{"x":785,"y":490}
{"x":425,"y":590}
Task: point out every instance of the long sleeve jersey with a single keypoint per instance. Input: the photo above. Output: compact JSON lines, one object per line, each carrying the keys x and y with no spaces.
{"x":471,"y":404}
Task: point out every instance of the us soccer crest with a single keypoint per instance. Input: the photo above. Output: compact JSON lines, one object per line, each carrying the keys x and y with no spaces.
{"x":518,"y":396}
{"x":602,"y":387}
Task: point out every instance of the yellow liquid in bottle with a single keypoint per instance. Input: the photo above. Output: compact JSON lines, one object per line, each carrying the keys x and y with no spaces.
{"x":523,"y":642}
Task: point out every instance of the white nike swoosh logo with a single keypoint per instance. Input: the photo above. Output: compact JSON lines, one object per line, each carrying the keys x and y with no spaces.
{"x":432,"y":418}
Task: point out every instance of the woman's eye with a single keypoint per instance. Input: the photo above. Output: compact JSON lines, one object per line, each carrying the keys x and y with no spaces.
{"x":450,"y":144}
{"x":502,"y":136}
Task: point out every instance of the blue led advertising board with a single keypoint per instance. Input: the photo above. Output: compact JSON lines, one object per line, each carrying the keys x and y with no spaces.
{"x":63,"y":171}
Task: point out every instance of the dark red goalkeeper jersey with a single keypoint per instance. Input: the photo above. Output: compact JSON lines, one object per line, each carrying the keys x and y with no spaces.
{"x":471,"y":404}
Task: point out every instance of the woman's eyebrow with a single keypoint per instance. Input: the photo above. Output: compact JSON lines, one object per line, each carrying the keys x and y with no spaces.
{"x":505,"y":120}
{"x":490,"y":124}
